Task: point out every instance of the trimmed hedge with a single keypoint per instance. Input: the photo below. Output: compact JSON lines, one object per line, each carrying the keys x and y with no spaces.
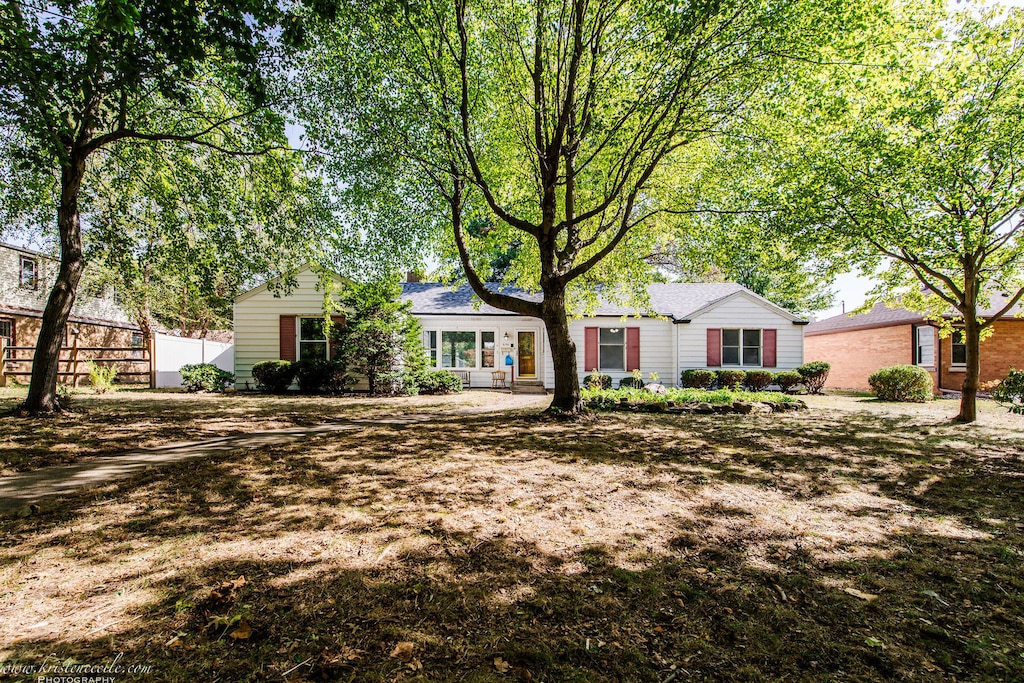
{"x":813,"y":375}
{"x":787,"y":379}
{"x":205,"y":377}
{"x":757,"y":380}
{"x":727,"y":379}
{"x":698,"y":379}
{"x":274,"y":376}
{"x":905,"y":383}
{"x":316,"y":376}
{"x":439,"y":382}
{"x":597,"y":380}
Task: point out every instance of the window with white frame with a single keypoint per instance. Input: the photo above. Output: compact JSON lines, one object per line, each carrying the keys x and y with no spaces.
{"x":487,"y":350}
{"x":312,"y":339}
{"x":924,"y":348}
{"x":741,"y":347}
{"x":138,"y":343}
{"x":461,"y":349}
{"x":612,"y":348}
{"x":29,"y":273}
{"x":958,"y":348}
{"x":430,"y":344}
{"x":458,"y":349}
{"x":7,"y":331}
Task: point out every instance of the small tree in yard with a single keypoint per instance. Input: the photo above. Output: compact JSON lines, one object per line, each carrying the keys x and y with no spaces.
{"x":381,"y":338}
{"x":920,"y":168}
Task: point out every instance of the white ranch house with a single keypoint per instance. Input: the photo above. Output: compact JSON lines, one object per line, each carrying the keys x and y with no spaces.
{"x":690,"y":325}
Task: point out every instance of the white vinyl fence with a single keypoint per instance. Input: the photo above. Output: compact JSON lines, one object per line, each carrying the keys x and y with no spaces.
{"x":173,"y":352}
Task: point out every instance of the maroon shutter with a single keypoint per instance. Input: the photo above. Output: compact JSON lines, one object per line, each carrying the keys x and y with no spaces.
{"x":714,"y":347}
{"x":768,"y":348}
{"x":590,"y":355}
{"x":288,"y":337}
{"x":632,"y":349}
{"x":337,"y":323}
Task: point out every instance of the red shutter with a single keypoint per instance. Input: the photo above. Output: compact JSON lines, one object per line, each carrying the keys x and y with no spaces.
{"x":632,"y":349}
{"x":714,"y":347}
{"x":337,"y":323}
{"x":768,"y":348}
{"x":590,"y":342}
{"x":288,"y":337}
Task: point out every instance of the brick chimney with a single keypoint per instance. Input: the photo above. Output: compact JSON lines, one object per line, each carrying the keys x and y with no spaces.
{"x":413,"y":276}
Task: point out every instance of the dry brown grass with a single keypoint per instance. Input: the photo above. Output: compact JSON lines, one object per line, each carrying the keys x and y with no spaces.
{"x":853,"y":542}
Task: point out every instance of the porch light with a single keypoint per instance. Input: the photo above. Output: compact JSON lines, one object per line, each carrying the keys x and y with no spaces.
{"x":505,"y":340}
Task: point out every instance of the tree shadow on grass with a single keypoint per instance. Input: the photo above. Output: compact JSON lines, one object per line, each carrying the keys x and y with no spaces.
{"x":731,"y":550}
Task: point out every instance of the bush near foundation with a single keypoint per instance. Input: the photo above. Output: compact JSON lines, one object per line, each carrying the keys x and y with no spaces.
{"x":1010,"y":392}
{"x":904,"y":383}
{"x":597,"y":380}
{"x":813,"y":375}
{"x":439,"y":382}
{"x":274,"y":376}
{"x":757,"y":380}
{"x":729,"y":379}
{"x":205,"y":377}
{"x":787,"y":380}
{"x":698,"y":379}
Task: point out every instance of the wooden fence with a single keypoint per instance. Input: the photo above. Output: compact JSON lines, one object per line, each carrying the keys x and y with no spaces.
{"x":137,"y":362}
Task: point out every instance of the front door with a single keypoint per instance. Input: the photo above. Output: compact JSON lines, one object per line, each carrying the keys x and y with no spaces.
{"x":527,"y":343}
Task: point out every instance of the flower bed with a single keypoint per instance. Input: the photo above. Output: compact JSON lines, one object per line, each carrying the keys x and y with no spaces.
{"x":700,"y":401}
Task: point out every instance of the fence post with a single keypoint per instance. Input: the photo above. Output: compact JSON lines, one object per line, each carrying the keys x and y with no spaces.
{"x":3,"y":362}
{"x":152,"y":360}
{"x":73,"y":361}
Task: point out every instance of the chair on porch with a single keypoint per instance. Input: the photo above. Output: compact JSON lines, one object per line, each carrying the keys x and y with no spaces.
{"x":498,"y":380}
{"x":464,"y":376}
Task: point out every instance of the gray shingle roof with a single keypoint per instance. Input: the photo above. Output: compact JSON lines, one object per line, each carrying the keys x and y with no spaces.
{"x":884,"y":316}
{"x":677,"y":300}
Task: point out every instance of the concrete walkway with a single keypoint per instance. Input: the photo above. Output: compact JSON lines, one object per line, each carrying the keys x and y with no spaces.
{"x":20,"y":490}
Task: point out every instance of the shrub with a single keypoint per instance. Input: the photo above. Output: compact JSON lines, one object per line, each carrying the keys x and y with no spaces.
{"x":101,"y":378}
{"x":698,"y":379}
{"x":813,"y":375}
{"x":631,"y":383}
{"x":902,"y":383}
{"x":727,"y":379}
{"x":1010,"y":392}
{"x":787,"y":379}
{"x":205,"y":377}
{"x":757,"y":380}
{"x":316,"y":376}
{"x":439,"y":382}
{"x":274,"y":376}
{"x":596,"y":380}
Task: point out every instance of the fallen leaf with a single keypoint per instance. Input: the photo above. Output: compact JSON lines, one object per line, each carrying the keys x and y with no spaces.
{"x":415,"y":665}
{"x":933,"y":594}
{"x":242,"y":632}
{"x":403,"y":651}
{"x":868,"y":597}
{"x":501,"y":665}
{"x":871,"y":641}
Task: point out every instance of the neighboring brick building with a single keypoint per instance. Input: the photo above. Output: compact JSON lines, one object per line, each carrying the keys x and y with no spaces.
{"x":26,"y":278}
{"x":858,"y":345}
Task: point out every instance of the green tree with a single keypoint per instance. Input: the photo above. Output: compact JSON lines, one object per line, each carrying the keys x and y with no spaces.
{"x":181,"y":231}
{"x":552,"y":119}
{"x":381,"y":338}
{"x":919,"y":167}
{"x":78,"y":77}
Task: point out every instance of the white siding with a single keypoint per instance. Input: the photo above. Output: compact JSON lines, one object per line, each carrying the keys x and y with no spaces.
{"x":257,"y":322}
{"x":740,"y":312}
{"x":500,"y":325}
{"x":656,"y":348}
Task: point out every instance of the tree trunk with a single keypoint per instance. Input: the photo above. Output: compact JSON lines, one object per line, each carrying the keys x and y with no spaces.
{"x":42,"y":391}
{"x":563,"y":354}
{"x":969,"y":390}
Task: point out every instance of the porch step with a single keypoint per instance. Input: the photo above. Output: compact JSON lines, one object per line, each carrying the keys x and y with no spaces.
{"x":528,"y":387}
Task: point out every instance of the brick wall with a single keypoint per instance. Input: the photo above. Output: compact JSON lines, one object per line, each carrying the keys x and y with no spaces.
{"x":855,"y":354}
{"x":1003,"y":350}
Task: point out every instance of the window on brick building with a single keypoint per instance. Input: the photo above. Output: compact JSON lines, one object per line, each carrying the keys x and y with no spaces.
{"x":958,"y":347}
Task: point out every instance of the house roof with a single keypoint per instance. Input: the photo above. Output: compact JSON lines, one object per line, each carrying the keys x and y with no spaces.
{"x":679,"y":301}
{"x":884,"y":316}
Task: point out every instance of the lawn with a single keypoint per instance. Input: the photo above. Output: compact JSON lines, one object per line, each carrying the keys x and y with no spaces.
{"x":852,"y":541}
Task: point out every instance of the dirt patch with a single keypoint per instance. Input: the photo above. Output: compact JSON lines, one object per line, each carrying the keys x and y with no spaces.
{"x":836,"y":544}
